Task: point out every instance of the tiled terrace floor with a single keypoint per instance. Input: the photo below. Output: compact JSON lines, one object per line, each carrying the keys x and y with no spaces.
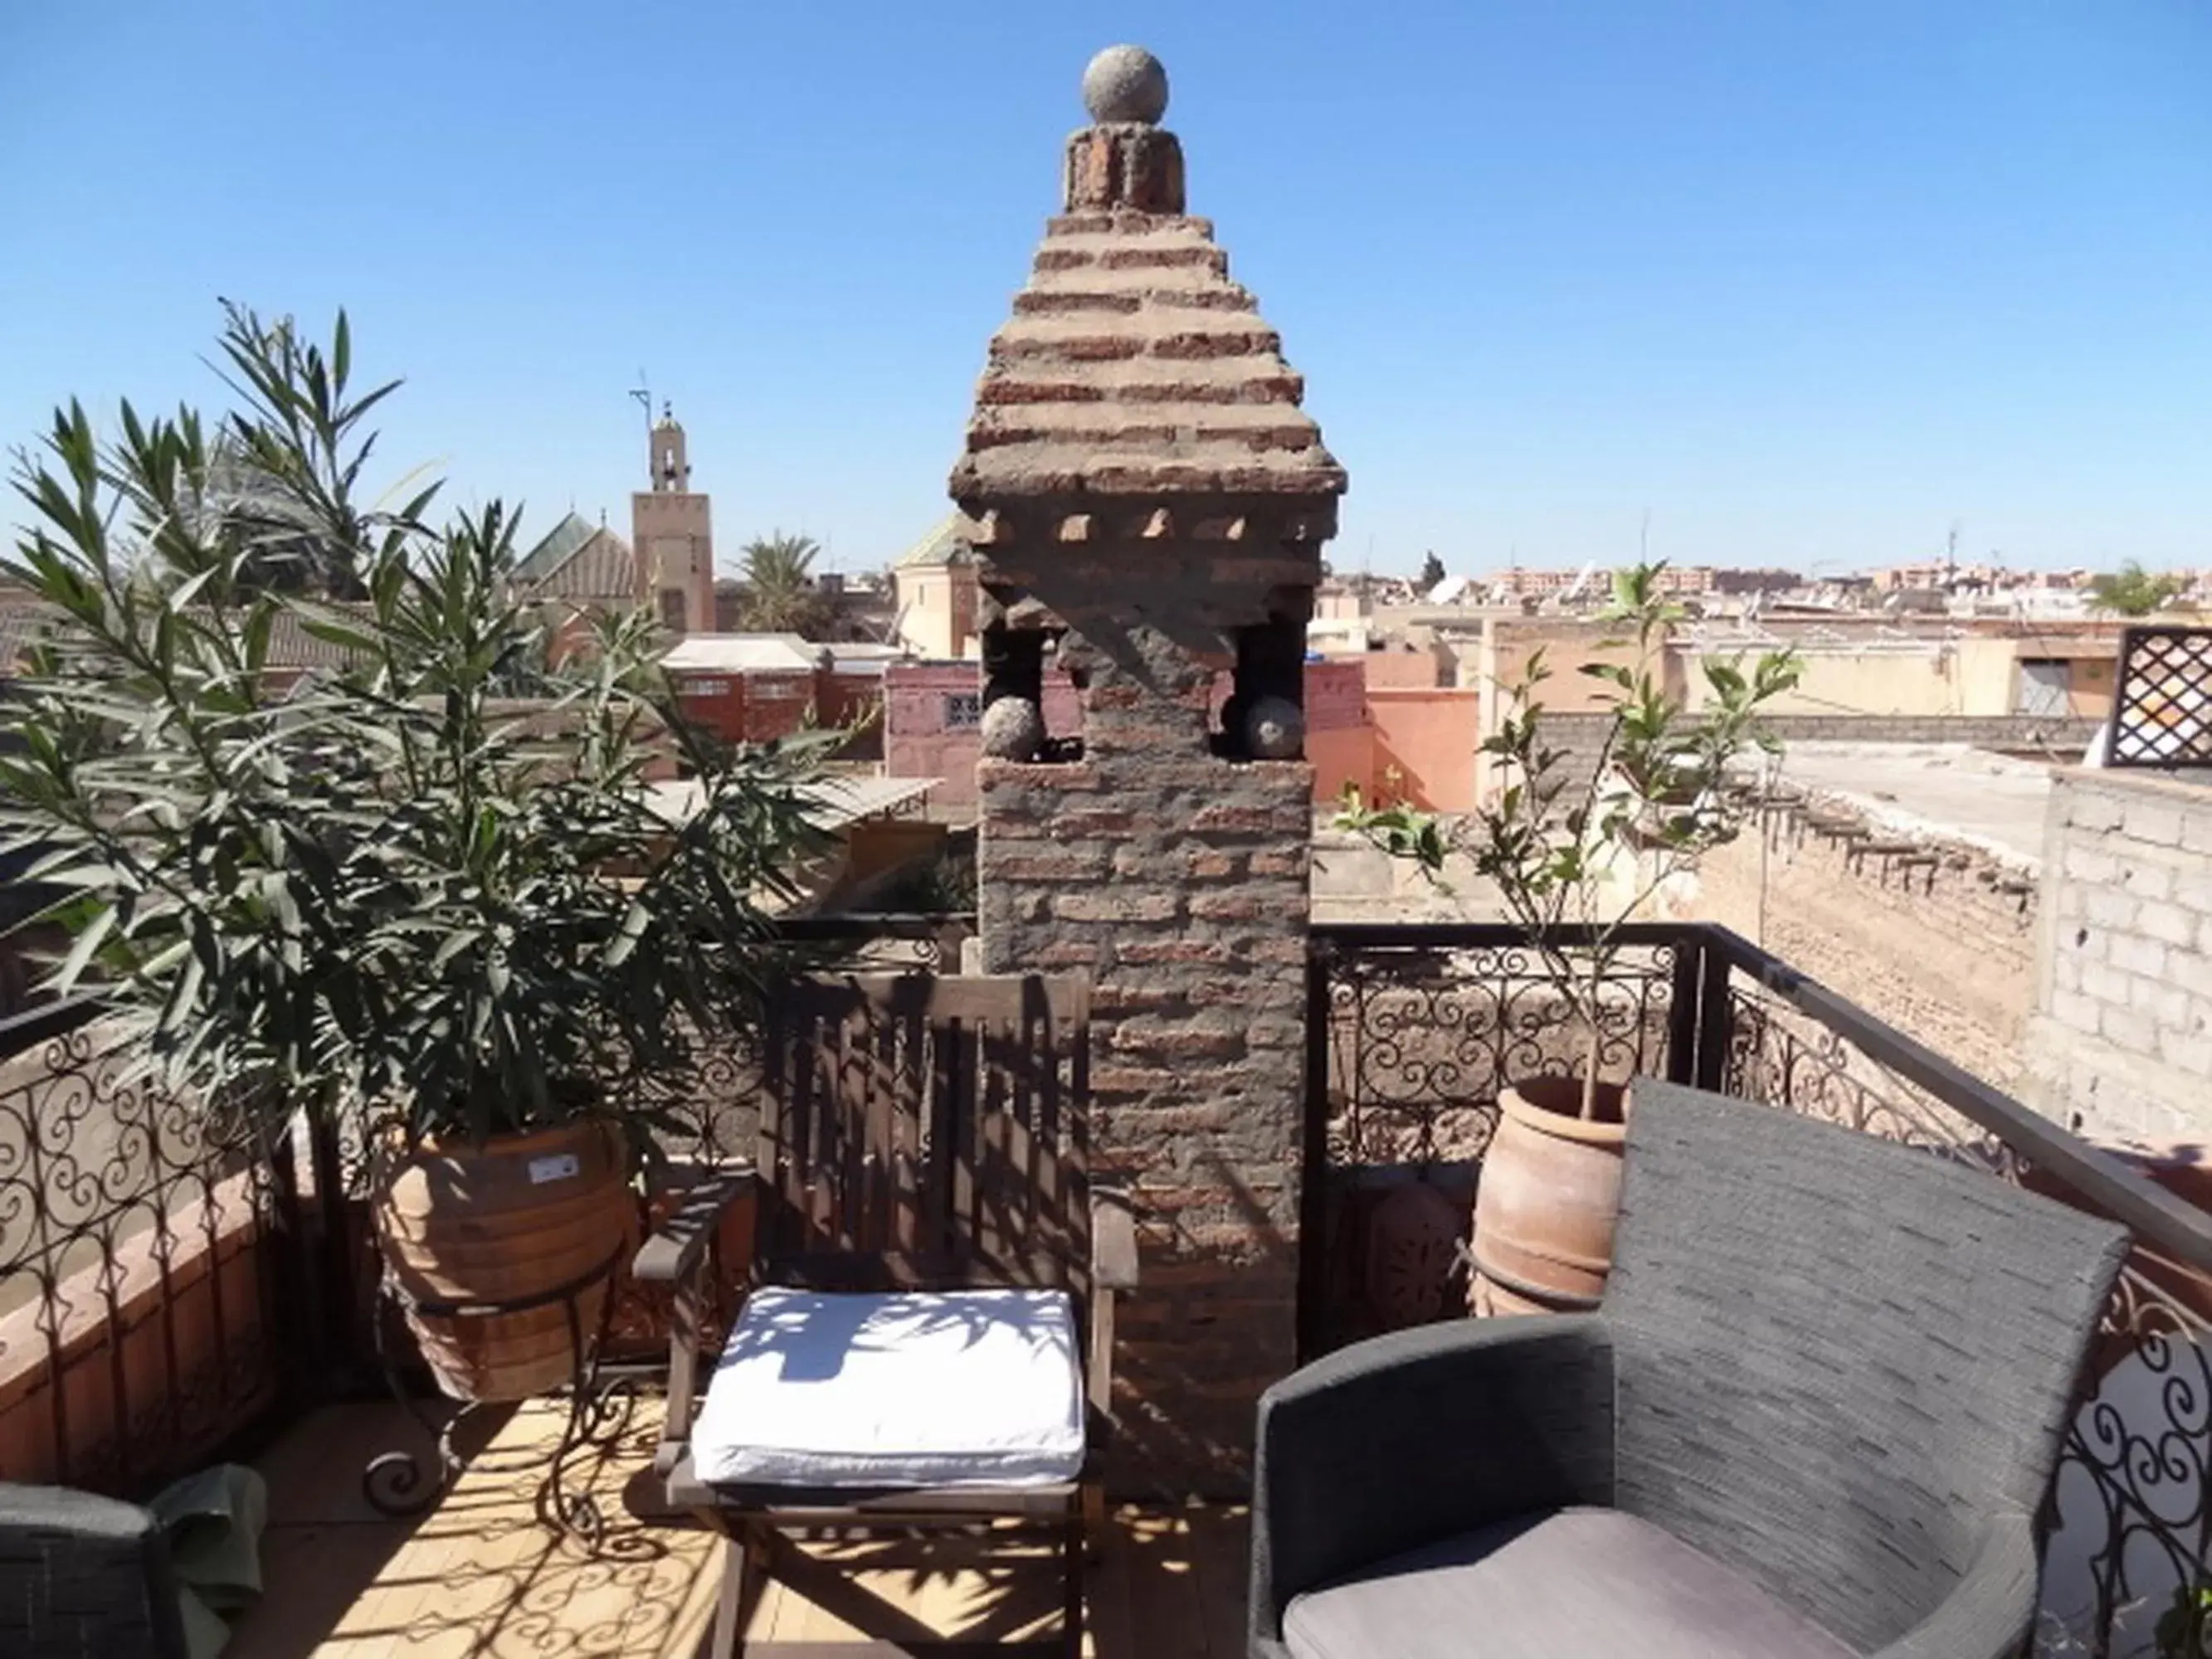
{"x":479,"y":1578}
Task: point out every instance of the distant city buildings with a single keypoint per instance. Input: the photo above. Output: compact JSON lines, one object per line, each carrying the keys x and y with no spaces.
{"x":1918,"y":587}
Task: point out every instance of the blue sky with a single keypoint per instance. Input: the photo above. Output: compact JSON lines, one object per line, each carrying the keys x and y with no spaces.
{"x":1809,"y":280}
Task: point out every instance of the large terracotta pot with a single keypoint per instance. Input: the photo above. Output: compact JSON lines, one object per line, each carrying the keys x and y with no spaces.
{"x":517,"y":1217}
{"x":1548,"y":1199}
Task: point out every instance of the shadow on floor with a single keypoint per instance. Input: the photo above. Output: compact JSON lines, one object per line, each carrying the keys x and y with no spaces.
{"x":481,"y":1578}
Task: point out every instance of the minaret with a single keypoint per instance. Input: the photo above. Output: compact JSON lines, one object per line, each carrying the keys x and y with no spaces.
{"x":672,"y":533}
{"x":1150,"y":502}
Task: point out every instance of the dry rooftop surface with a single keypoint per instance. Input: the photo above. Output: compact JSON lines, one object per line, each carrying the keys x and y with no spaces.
{"x":1990,"y":800}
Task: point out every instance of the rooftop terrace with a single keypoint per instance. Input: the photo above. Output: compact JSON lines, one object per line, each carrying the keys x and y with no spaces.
{"x":1287,"y":1122}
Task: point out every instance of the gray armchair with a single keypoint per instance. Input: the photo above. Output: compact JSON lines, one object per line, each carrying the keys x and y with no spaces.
{"x":84,"y":1577}
{"x":1814,"y":1418}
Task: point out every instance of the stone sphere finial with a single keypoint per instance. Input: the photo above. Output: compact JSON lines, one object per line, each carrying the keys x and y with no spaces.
{"x":1125,"y":84}
{"x":1275,"y":730}
{"x":1013,"y":729}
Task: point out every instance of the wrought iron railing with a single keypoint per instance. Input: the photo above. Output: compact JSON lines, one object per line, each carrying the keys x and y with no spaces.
{"x":148,"y":1245}
{"x":1415,"y":1028}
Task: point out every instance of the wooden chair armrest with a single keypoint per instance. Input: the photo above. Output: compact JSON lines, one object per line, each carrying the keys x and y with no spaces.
{"x":672,"y":1256}
{"x":675,"y":1249}
{"x":1113,"y":1268}
{"x":1113,"y":1241}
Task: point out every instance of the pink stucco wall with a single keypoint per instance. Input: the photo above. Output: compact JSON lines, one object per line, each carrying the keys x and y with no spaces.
{"x":917,"y":744}
{"x":1425,"y":746}
{"x":1401,"y":670}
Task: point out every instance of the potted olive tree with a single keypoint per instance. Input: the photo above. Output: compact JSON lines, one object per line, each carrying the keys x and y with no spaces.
{"x":424,"y":891}
{"x":1576,"y":847}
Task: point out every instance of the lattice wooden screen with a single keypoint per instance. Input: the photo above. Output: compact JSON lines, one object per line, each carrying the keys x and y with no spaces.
{"x":2162,"y":703}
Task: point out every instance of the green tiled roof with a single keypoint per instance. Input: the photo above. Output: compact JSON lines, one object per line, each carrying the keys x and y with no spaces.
{"x":945,"y":543}
{"x":559,"y":546}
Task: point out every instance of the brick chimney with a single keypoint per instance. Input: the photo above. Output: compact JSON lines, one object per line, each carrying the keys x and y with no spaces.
{"x":1150,"y":503}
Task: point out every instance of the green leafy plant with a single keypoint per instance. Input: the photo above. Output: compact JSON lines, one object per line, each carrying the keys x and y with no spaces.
{"x":437,"y":881}
{"x":1583,"y":844}
{"x":780,"y":595}
{"x":2131,"y":590}
{"x":2183,"y":1628}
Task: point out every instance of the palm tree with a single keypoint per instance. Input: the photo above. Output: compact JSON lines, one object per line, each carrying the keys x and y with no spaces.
{"x":780,"y":596}
{"x":2131,"y":590}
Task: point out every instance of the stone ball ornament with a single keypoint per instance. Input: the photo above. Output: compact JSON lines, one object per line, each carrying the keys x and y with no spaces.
{"x":1013,"y":729}
{"x":1124,"y":85}
{"x":1275,"y":729}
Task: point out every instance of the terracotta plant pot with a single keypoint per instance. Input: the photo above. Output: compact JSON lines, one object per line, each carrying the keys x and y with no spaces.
{"x":519,"y":1216}
{"x":1548,"y":1199}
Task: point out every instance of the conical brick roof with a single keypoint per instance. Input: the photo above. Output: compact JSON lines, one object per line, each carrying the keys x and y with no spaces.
{"x":1132,"y":366}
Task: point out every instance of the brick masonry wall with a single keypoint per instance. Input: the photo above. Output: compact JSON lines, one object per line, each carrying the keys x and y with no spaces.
{"x":2121,"y":1043}
{"x":1179,"y":882}
{"x":1940,"y":951}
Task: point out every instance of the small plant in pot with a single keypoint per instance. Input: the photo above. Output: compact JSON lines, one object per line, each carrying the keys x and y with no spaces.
{"x":424,"y":895}
{"x":1575,"y":847}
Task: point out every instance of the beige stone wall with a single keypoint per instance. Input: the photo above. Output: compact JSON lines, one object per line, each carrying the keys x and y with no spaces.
{"x":672,"y":533}
{"x":936,"y":610}
{"x":2121,"y":1043}
{"x":1941,"y":952}
{"x":1976,"y":676}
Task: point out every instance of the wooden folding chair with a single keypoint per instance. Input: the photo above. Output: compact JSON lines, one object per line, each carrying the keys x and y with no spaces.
{"x":924,"y":1137}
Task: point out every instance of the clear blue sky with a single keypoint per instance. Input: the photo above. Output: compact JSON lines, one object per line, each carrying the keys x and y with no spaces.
{"x":1808,"y":280}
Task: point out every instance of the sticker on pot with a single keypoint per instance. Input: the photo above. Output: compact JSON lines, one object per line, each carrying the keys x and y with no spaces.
{"x":543,"y":1169}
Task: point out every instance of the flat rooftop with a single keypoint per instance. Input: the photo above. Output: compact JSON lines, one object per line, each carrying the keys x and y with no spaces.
{"x":1973,"y":795}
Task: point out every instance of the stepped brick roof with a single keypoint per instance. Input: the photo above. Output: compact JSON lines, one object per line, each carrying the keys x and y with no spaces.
{"x":1132,"y":366}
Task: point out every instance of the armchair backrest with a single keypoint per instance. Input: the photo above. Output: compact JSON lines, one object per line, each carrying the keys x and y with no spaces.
{"x":1838,"y":1359}
{"x":928,"y":1132}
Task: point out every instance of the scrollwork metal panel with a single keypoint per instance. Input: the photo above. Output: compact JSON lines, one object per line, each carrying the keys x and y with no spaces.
{"x":1421,"y":1039}
{"x":138,"y":1272}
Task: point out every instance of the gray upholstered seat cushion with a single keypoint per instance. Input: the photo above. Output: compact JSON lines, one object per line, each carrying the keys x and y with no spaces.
{"x":1574,"y":1584}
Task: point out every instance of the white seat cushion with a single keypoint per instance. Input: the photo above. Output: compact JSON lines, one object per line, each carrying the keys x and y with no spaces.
{"x":958,"y":1389}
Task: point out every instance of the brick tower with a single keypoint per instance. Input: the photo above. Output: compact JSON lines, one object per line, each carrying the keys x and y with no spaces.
{"x":672,"y":534}
{"x":1150,"y":503}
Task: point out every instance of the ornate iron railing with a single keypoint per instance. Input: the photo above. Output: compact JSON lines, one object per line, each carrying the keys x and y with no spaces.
{"x":147,"y":1250}
{"x":1415,"y":1030}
